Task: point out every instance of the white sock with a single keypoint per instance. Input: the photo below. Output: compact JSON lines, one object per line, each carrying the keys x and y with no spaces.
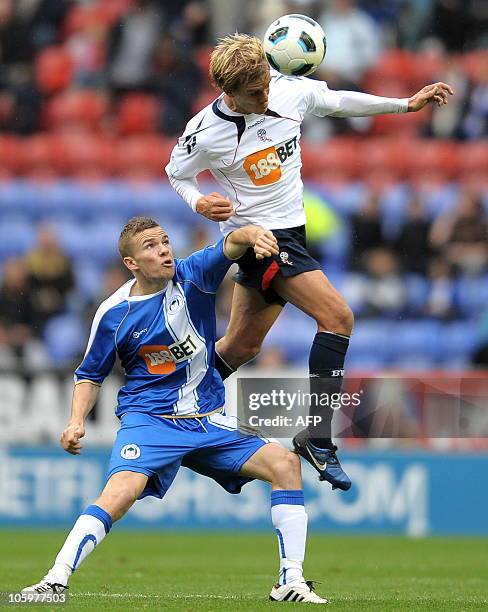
{"x":88,"y":531}
{"x":290,"y":521}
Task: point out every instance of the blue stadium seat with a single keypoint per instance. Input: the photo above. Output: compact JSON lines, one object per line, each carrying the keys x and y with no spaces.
{"x":89,"y":278}
{"x":471,"y":294}
{"x":65,"y":338}
{"x":371,"y":339}
{"x":365,"y":362}
{"x":418,"y":289}
{"x":295,"y":345}
{"x":440,"y":200}
{"x":415,"y":340}
{"x":16,"y":237}
{"x":457,"y":342}
{"x":393,"y":205}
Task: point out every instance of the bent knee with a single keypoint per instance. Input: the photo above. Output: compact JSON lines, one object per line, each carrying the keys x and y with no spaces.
{"x":239,"y":353}
{"x":339,"y":319}
{"x":287,"y":470}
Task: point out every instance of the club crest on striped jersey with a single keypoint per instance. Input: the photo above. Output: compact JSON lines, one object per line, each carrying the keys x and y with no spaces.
{"x":176,"y":303}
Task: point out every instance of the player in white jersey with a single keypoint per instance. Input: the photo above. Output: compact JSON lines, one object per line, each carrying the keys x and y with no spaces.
{"x":162,"y":327}
{"x":249,"y":139}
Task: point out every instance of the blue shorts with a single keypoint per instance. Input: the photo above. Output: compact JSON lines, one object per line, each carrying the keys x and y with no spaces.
{"x":157,"y":447}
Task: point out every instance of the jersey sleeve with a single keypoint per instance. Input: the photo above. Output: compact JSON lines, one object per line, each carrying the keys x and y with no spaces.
{"x":101,"y":350}
{"x":206,"y":268}
{"x":321,"y":101}
{"x":189,"y":156}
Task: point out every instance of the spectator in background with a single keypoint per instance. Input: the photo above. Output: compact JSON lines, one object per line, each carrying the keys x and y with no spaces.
{"x":8,"y":358}
{"x":17,"y":312}
{"x":178,"y":81}
{"x":384,"y":292}
{"x":131,"y":47}
{"x":19,"y":344}
{"x":440,"y":299}
{"x":366,"y":230}
{"x":451,"y":23}
{"x":475,"y":122}
{"x":461,"y":236}
{"x":114,"y":276}
{"x":189,"y":25}
{"x":413,"y":245}
{"x":354,"y":43}
{"x":50,"y":275}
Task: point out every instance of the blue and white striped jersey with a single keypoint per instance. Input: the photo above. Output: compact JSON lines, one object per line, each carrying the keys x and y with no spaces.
{"x":165,"y":341}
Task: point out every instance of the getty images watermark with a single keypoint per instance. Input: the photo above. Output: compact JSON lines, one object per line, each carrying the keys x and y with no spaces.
{"x":293,"y":407}
{"x":367,"y":407}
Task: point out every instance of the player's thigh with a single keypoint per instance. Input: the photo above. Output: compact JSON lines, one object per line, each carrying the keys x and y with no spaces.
{"x":251,"y":316}
{"x":275,"y":464}
{"x":314,"y":294}
{"x":121,"y":491}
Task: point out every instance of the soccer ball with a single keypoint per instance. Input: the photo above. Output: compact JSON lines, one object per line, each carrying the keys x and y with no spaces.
{"x":295,"y":45}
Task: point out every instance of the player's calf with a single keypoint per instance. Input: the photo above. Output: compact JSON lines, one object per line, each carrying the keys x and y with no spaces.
{"x":90,"y":529}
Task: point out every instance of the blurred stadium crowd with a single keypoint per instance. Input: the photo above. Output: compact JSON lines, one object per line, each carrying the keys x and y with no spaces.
{"x":93,"y":94}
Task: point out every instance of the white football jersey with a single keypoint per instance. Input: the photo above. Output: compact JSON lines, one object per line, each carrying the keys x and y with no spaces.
{"x":256,"y":159}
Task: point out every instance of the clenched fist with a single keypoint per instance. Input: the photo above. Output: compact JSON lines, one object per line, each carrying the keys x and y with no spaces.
{"x":265,"y":244}
{"x":70,"y":438}
{"x":215,"y":207}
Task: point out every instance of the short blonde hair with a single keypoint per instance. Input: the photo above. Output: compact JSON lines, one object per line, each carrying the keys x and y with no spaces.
{"x":131,"y":228}
{"x":236,"y":60}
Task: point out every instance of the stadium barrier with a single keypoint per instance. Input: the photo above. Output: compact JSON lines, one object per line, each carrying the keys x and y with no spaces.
{"x":398,"y":486}
{"x":410,"y":492}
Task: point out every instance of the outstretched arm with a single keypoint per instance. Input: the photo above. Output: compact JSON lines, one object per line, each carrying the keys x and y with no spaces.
{"x":262,"y":241}
{"x":356,"y":104}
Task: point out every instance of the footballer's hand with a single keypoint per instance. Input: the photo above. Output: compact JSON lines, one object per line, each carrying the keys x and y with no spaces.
{"x":215,"y":207}
{"x":437,"y":93}
{"x":265,"y":244}
{"x":70,"y":438}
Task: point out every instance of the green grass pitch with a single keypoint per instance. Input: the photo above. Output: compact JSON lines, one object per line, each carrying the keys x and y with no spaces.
{"x":223,"y":571}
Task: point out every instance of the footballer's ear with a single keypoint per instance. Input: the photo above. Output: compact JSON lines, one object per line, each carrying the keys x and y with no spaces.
{"x":130,"y":263}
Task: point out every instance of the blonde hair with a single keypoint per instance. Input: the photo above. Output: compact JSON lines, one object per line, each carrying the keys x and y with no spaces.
{"x":131,"y":228}
{"x":236,"y":60}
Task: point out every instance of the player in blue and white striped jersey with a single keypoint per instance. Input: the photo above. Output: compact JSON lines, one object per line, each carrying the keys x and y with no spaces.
{"x":161,"y":325}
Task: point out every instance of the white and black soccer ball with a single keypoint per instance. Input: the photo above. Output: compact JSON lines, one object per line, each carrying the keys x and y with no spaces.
{"x":295,"y":45}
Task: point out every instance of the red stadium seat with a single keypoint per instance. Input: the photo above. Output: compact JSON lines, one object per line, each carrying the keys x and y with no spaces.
{"x":475,"y":64}
{"x":402,"y":124}
{"x":431,"y":160}
{"x":335,"y":161}
{"x":138,"y":114}
{"x":427,"y":67}
{"x":381,"y":160}
{"x":10,"y":156}
{"x":76,"y":108}
{"x":143,"y":157}
{"x":473,"y":163}
{"x":396,"y":65}
{"x":204,"y":98}
{"x":202,"y":58}
{"x":99,"y":16}
{"x":42,"y":156}
{"x":87,"y":156}
{"x":53,"y":70}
